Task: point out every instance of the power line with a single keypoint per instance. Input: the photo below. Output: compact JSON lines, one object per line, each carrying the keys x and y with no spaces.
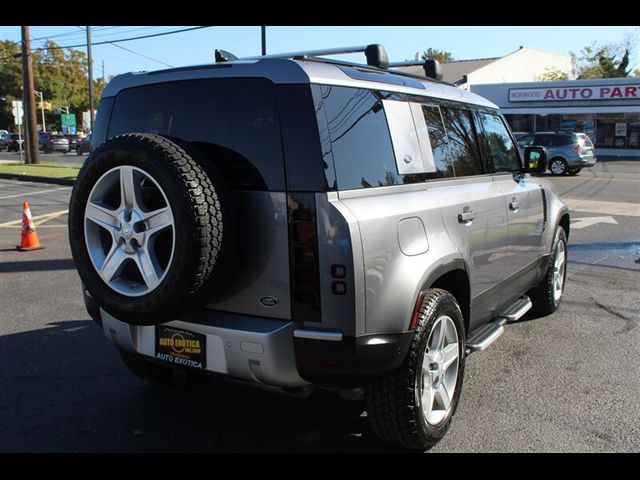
{"x":135,"y":53}
{"x":66,"y":34}
{"x":122,"y":39}
{"x":141,"y":55}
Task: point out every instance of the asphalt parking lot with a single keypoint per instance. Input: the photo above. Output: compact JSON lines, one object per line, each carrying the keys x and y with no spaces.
{"x":567,"y":382}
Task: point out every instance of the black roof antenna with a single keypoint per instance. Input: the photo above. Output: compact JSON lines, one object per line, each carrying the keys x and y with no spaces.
{"x":224,"y":56}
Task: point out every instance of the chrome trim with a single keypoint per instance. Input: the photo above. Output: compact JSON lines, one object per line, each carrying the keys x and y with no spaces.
{"x":517,"y":310}
{"x":485,"y":337}
{"x":317,"y":335}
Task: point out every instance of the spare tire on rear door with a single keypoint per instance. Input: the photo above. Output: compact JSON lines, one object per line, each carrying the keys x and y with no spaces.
{"x":147,"y":224}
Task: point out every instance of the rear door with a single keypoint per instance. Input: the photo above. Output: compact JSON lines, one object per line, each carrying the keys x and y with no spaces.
{"x":523,"y":204}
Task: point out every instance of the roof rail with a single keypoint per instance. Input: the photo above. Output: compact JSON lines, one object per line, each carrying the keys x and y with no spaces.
{"x":431,"y":67}
{"x":375,"y":53}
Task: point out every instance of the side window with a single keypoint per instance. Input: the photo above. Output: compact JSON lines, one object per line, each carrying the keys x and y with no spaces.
{"x":464,"y":156}
{"x":563,"y":140}
{"x":439,"y":141}
{"x":543,"y":140}
{"x":360,"y":139}
{"x":500,"y":147}
{"x":526,"y":141}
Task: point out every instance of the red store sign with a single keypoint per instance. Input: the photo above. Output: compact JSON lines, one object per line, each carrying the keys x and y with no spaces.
{"x":554,"y":94}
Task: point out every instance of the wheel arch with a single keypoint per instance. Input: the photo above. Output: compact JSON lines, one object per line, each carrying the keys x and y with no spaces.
{"x":565,"y":223}
{"x":452,"y":277}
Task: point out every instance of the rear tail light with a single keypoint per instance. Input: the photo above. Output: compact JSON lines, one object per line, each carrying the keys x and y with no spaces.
{"x":306,"y":278}
{"x":304,"y":233}
{"x":303,"y":256}
{"x":577,"y":148}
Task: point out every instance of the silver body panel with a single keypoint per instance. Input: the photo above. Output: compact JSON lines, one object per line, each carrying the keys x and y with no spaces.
{"x":262,"y":268}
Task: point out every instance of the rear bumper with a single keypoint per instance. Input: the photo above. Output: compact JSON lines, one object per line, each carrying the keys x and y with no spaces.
{"x":251,"y":348}
{"x":350,"y":361}
{"x":582,"y":162}
{"x":57,"y":148}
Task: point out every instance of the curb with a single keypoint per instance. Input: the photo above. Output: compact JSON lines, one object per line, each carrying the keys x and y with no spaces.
{"x":35,"y":178}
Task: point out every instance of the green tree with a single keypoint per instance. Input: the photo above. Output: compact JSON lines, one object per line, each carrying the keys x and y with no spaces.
{"x":609,"y":61}
{"x":551,"y":74}
{"x":60,"y":74}
{"x":439,"y":55}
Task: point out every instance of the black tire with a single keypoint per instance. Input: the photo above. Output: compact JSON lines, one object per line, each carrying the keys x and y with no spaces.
{"x":393,"y":404}
{"x":154,"y":372}
{"x":574,"y":171}
{"x":542,"y":296}
{"x":562,"y":167}
{"x":199,"y":218}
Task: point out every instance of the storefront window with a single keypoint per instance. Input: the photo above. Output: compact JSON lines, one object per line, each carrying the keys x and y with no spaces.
{"x":520,"y":123}
{"x":606,"y":130}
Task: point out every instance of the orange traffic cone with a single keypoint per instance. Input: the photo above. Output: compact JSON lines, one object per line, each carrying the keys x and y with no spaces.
{"x":29,"y":239}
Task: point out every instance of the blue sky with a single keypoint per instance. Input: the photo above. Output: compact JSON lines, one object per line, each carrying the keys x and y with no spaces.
{"x":402,"y":43}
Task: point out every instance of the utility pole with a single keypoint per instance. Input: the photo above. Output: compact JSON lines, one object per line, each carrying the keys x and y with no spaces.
{"x":29,"y":98}
{"x":263,"y":31}
{"x":103,"y":69}
{"x":90,"y":60}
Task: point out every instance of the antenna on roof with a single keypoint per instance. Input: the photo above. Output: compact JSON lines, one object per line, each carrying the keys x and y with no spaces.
{"x":224,"y":56}
{"x":375,"y":53}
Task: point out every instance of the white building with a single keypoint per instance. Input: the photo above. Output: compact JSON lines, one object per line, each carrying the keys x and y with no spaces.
{"x":524,"y":65}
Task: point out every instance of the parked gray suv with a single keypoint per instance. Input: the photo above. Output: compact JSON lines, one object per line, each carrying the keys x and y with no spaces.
{"x":568,"y":152}
{"x":295,"y":222}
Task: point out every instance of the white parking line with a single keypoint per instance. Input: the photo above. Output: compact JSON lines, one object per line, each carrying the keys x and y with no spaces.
{"x":37,"y":220}
{"x":34,"y":193}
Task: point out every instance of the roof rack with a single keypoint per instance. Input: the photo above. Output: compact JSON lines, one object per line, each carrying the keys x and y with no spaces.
{"x":431,"y":67}
{"x":376,"y":61}
{"x":375,"y":53}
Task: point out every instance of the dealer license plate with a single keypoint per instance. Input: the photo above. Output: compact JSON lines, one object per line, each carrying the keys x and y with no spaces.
{"x":181,"y":347}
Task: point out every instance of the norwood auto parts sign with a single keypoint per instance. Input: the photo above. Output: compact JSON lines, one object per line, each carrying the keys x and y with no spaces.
{"x":554,"y":94}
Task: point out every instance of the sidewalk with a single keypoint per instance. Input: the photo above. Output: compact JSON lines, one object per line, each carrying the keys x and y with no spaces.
{"x":618,"y":153}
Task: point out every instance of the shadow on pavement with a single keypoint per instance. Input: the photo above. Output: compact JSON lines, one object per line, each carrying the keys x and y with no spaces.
{"x":36,"y":265}
{"x":64,"y":389}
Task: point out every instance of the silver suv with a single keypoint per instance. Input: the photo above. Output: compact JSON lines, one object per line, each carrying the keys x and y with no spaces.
{"x":295,"y":222}
{"x":568,"y":152}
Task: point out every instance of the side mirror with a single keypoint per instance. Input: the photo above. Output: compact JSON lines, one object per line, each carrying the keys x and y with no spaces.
{"x":535,"y":160}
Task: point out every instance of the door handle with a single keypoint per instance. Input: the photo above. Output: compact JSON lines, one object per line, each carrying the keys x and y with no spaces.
{"x":514,"y":206}
{"x":466,"y":217}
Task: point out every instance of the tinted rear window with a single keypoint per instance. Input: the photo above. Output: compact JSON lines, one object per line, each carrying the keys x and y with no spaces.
{"x":360,"y":139}
{"x":235,"y":121}
{"x":562,"y":140}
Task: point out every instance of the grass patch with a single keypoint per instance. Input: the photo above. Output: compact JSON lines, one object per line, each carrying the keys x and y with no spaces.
{"x":43,"y":169}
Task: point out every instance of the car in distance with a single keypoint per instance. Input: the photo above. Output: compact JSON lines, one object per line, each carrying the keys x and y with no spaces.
{"x":84,"y":145}
{"x":568,"y":152}
{"x":297,"y":223}
{"x":73,"y":140}
{"x":13,"y":143}
{"x":55,"y":143}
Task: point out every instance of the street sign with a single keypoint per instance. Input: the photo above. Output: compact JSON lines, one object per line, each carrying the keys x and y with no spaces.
{"x":17,"y":111}
{"x":86,"y":121}
{"x":68,"y":119}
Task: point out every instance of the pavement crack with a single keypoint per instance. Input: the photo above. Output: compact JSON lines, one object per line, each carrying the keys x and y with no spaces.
{"x":630,"y":323}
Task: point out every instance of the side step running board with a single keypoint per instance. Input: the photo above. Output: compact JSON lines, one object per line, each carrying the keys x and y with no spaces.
{"x":517,"y":310}
{"x":484,"y":336}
